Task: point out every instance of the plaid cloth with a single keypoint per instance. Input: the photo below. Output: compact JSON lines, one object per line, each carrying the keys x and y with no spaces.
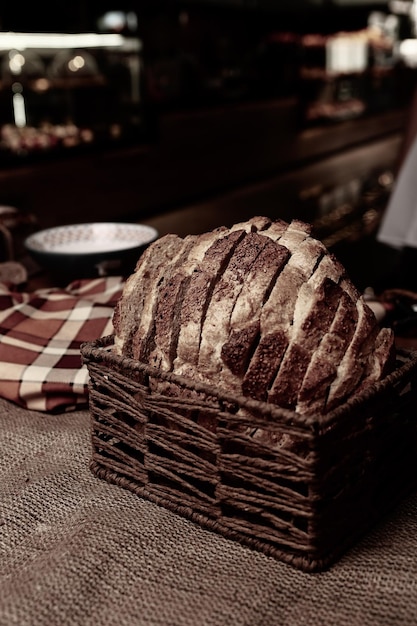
{"x":40,"y":338}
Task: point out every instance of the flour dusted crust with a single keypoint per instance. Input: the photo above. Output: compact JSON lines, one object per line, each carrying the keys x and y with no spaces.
{"x":261,"y":309}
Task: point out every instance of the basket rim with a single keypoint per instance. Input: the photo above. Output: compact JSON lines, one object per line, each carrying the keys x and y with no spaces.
{"x":99,"y":350}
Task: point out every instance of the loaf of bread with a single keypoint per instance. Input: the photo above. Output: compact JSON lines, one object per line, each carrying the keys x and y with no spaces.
{"x":261,"y":309}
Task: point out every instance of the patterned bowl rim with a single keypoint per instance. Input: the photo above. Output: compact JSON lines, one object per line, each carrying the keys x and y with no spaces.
{"x":98,"y":237}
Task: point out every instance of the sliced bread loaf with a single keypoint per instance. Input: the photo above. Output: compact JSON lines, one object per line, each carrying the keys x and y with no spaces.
{"x":261,"y":309}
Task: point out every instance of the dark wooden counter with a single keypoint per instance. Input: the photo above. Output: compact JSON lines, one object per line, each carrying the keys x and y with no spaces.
{"x":254,"y":151}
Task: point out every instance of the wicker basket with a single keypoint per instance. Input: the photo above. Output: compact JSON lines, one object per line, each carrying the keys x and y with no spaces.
{"x":303,"y":503}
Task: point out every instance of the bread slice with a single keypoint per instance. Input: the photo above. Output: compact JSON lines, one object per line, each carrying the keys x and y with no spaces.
{"x":197,"y":297}
{"x":216,"y":327}
{"x":245,"y":319}
{"x":143,"y":340}
{"x":134,"y":306}
{"x":322,"y":369}
{"x":354,"y":362}
{"x":311,"y":322}
{"x":161,"y":343}
{"x":382,"y":359}
{"x":277,"y":314}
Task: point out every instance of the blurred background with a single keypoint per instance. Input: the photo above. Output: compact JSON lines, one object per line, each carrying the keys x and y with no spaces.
{"x":191,"y":114}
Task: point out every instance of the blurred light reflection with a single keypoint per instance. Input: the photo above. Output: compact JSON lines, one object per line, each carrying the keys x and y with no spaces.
{"x":39,"y":41}
{"x":19,"y":109}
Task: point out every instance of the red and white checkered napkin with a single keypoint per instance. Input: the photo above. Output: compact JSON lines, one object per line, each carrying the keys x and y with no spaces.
{"x":40,"y":338}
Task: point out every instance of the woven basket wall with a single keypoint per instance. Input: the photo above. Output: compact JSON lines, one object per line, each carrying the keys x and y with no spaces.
{"x":300,"y":489}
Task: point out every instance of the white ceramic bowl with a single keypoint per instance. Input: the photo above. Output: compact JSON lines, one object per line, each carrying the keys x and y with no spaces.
{"x":98,"y":248}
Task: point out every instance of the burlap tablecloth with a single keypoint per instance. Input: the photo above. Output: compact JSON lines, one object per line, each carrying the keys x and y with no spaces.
{"x":75,"y":550}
